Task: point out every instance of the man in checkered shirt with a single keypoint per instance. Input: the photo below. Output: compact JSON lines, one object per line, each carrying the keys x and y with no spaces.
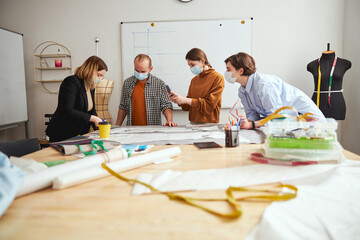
{"x":144,"y":97}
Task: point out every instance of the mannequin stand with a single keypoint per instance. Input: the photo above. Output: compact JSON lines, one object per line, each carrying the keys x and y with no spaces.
{"x":103,"y":92}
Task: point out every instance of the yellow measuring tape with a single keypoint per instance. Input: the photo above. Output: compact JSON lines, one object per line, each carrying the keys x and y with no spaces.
{"x":318,"y":89}
{"x":305,"y":117}
{"x":237,"y":211}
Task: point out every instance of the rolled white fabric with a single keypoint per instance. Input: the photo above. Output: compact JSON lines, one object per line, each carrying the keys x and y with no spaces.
{"x":44,"y":178}
{"x":88,"y":174}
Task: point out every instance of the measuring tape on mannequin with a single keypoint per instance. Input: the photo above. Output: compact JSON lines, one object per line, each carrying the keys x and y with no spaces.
{"x":330,"y":82}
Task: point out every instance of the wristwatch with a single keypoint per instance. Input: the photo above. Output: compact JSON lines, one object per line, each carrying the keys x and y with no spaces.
{"x":253,"y":124}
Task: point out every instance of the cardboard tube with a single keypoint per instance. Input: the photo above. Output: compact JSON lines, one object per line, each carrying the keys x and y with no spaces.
{"x":88,"y":174}
{"x":44,"y":178}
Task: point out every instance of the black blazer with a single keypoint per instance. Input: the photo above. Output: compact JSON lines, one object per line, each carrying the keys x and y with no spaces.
{"x":71,"y":117}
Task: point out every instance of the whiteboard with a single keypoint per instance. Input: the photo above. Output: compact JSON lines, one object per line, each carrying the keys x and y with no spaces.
{"x":168,"y":42}
{"x":13,"y":106}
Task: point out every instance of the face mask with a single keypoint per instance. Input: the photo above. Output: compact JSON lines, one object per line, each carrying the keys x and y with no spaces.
{"x":229,"y":78}
{"x":140,"y":76}
{"x":96,"y":80}
{"x":196,"y":70}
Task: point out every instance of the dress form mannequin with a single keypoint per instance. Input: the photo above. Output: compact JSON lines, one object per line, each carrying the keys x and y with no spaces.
{"x":337,"y":108}
{"x":103,"y":92}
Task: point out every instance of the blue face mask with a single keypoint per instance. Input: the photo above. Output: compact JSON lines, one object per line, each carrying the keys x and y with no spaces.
{"x":196,"y":70}
{"x":140,"y":76}
{"x":96,"y":80}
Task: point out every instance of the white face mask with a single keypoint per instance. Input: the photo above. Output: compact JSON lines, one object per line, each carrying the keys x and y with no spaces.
{"x":229,"y":78}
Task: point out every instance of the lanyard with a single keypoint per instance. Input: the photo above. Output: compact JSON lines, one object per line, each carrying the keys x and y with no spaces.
{"x":330,"y":82}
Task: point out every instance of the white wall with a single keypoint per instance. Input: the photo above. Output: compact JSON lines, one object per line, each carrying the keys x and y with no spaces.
{"x":287,"y":35}
{"x":350,"y":128}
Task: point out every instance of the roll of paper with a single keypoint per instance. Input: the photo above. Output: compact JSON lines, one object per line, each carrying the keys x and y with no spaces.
{"x":44,"y":178}
{"x":88,"y":174}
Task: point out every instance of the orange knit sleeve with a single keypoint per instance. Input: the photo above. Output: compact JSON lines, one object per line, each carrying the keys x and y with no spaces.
{"x":207,"y":103}
{"x":186,"y":107}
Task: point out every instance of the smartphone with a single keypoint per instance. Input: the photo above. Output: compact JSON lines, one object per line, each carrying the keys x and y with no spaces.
{"x":168,"y":90}
{"x":202,"y":145}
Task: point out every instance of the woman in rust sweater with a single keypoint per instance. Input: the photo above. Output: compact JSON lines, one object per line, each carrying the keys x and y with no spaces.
{"x":203,"y":100}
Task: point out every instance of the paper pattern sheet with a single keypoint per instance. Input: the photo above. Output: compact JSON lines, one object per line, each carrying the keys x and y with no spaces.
{"x":158,"y":135}
{"x":325,"y":208}
{"x":212,"y":179}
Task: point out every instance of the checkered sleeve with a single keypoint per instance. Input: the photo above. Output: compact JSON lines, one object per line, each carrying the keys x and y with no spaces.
{"x":125,"y":95}
{"x":165,"y":102}
{"x":156,"y":100}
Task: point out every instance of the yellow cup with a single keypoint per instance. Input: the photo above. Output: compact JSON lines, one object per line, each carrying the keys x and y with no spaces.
{"x":104,"y":129}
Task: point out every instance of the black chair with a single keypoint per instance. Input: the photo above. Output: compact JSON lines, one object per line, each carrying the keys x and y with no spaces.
{"x":20,"y":148}
{"x":44,"y":142}
{"x":49,"y":116}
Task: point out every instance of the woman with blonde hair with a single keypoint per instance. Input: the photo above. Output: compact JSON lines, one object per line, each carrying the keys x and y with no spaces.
{"x":76,"y":109}
{"x":203,"y":100}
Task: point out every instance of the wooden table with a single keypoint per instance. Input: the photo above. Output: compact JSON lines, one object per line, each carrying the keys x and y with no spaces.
{"x":105,"y":209}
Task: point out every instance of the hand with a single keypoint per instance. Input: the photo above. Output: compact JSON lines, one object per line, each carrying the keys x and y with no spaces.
{"x":95,"y":120}
{"x":183,"y":100}
{"x":170,"y":124}
{"x":179,"y":100}
{"x":245,"y":124}
{"x":173,"y":96}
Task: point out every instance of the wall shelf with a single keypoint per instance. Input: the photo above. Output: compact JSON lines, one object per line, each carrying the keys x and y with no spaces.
{"x":52,"y":55}
{"x":52,"y":61}
{"x":49,"y":81}
{"x":53,"y":68}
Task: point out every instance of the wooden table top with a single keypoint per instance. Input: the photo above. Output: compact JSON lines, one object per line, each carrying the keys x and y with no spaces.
{"x":105,"y":208}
